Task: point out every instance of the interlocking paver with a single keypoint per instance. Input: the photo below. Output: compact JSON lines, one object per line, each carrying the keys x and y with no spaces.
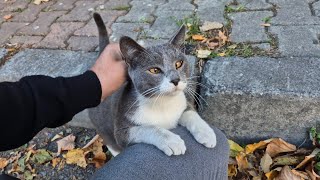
{"x":82,"y":11}
{"x":59,"y":33}
{"x":128,"y":29}
{"x":247,"y":26}
{"x":255,"y":4}
{"x":14,"y":5}
{"x":117,"y":4}
{"x":62,"y":5}
{"x":8,"y":29}
{"x":90,"y":29}
{"x":298,"y":40}
{"x":212,"y":10}
{"x":139,"y":12}
{"x":3,"y":52}
{"x":31,"y":12}
{"x":26,"y":41}
{"x":78,"y":43}
{"x":42,"y":25}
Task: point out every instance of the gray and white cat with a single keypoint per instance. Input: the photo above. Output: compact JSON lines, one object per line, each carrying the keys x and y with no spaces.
{"x":153,"y":100}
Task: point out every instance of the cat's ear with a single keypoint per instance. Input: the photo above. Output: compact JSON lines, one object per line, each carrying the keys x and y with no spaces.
{"x":129,"y":48}
{"x":178,"y":39}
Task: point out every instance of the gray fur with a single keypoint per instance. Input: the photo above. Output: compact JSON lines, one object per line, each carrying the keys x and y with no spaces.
{"x":123,"y":104}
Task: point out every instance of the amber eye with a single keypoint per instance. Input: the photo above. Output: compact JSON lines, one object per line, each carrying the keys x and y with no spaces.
{"x":155,"y":70}
{"x":179,"y":64}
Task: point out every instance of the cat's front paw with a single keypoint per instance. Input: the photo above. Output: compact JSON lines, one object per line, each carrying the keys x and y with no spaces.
{"x":206,"y":136}
{"x":173,"y":145}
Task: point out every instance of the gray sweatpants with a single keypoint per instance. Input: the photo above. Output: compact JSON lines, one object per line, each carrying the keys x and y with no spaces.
{"x":143,"y":161}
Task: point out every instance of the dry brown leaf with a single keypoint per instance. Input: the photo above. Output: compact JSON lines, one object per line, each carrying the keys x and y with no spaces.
{"x":94,"y":139}
{"x":207,"y":25}
{"x":37,"y":2}
{"x":302,"y":174}
{"x":8,"y":16}
{"x":287,"y":174}
{"x":76,"y":156}
{"x":277,"y":146}
{"x":308,"y":159}
{"x":232,"y":170}
{"x":198,"y":37}
{"x":3,"y":163}
{"x":61,"y":165}
{"x":67,"y":143}
{"x":266,"y":162}
{"x":55,"y":162}
{"x":57,"y":136}
{"x":250,"y":148}
{"x":212,"y":45}
{"x":223,"y":37}
{"x":100,"y":157}
{"x":242,"y":161}
{"x":266,"y":24}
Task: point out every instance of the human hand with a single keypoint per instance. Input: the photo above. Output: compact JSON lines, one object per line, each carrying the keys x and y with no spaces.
{"x":110,"y":69}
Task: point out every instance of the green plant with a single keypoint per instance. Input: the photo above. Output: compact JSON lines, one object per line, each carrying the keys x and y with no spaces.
{"x":266,"y":19}
{"x":192,"y":22}
{"x":247,"y":51}
{"x":230,"y":9}
{"x":121,"y":8}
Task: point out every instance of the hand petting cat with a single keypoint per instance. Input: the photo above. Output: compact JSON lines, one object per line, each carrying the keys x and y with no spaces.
{"x":110,"y":69}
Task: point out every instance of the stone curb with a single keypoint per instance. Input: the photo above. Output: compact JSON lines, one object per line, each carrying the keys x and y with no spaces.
{"x":257,"y":98}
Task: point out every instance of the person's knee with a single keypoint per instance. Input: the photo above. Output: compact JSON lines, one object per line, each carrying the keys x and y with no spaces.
{"x":222,"y":141}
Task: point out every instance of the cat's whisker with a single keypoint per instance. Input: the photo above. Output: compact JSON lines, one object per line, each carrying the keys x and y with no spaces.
{"x":156,"y":99}
{"x":191,"y":77}
{"x":199,"y":96}
{"x":195,"y":98}
{"x":197,"y":83}
{"x":147,"y":92}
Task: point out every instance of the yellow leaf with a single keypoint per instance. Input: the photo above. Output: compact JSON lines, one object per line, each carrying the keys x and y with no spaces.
{"x":76,"y":156}
{"x":272,"y":174}
{"x":203,"y":53}
{"x":234,"y":148}
{"x":232,"y":170}
{"x":266,"y":162}
{"x":250,"y":148}
{"x":277,"y":146}
{"x":222,"y":54}
{"x":55,"y":162}
{"x":242,"y":161}
{"x":3,"y":163}
{"x":198,"y":37}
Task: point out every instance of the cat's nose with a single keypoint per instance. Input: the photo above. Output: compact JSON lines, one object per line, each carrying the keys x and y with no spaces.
{"x":175,"y":81}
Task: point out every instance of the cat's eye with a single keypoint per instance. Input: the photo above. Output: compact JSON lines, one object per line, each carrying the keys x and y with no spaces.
{"x":155,"y":70}
{"x":179,"y":64}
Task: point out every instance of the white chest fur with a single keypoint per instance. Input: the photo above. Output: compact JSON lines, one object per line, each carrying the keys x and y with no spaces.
{"x":162,"y":112}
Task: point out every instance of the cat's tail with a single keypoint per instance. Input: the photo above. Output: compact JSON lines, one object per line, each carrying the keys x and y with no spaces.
{"x":103,"y":34}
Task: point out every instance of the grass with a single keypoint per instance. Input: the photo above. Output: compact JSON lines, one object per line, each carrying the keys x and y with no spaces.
{"x":121,"y":8}
{"x":18,"y":10}
{"x":266,"y":19}
{"x":231,"y":9}
{"x":192,"y":22}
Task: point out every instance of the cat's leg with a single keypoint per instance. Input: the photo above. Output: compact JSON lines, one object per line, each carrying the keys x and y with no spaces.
{"x":163,"y":139}
{"x":200,"y":130}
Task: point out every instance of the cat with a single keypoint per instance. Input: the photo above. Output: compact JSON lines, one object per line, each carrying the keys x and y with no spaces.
{"x":153,"y":100}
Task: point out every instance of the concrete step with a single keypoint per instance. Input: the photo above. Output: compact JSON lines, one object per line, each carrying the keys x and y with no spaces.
{"x":256,"y":98}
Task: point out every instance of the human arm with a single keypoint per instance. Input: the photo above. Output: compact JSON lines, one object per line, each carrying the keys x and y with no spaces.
{"x":35,"y":102}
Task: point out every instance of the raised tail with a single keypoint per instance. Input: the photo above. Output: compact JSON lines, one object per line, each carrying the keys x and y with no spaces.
{"x":103,"y":34}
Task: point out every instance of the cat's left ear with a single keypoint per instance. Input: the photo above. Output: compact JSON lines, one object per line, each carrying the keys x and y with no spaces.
{"x":178,"y":39}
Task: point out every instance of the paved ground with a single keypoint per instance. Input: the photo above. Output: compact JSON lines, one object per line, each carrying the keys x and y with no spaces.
{"x":278,"y":92}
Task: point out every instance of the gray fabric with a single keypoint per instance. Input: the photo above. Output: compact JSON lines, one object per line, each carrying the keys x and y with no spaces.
{"x":143,"y":161}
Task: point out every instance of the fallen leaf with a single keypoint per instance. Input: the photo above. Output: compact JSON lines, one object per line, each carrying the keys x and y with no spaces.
{"x":8,"y":16}
{"x":27,"y":175}
{"x":272,"y":174}
{"x":212,"y":45}
{"x":233,"y":46}
{"x":41,"y":156}
{"x":242,"y":161}
{"x":222,"y":54}
{"x":223,"y":37}
{"x":302,"y":174}
{"x":198,"y":37}
{"x":95,"y":147}
{"x":61,"y":165}
{"x":57,"y":136}
{"x":308,"y":159}
{"x":234,"y":148}
{"x":232,"y":170}
{"x":76,"y":156}
{"x":95,"y":138}
{"x":3,"y":163}
{"x":287,"y":174}
{"x":207,"y":25}
{"x":203,"y":53}
{"x":277,"y":146}
{"x":37,"y":2}
{"x":266,"y":24}
{"x":250,"y":148}
{"x":287,"y":160}
{"x":55,"y":162}
{"x":266,"y":162}
{"x":67,"y":143}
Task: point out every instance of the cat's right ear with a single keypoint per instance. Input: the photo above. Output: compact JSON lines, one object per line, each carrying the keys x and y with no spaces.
{"x":129,"y":48}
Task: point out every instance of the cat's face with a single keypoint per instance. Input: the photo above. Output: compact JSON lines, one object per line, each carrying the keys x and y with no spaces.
{"x":159,"y":69}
